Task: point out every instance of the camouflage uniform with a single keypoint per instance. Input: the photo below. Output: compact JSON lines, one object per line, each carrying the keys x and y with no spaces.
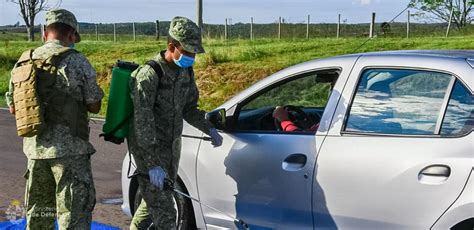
{"x":59,"y":176}
{"x":160,"y":105}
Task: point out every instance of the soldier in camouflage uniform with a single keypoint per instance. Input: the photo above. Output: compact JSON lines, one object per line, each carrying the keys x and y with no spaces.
{"x":59,"y":178}
{"x":160,"y":105}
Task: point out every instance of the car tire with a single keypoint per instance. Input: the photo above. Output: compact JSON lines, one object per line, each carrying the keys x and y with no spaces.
{"x":183,"y":205}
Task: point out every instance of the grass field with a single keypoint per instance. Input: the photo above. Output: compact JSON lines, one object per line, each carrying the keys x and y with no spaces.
{"x":228,"y":66}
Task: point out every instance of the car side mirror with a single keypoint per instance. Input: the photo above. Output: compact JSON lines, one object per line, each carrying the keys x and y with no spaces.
{"x":217,"y":118}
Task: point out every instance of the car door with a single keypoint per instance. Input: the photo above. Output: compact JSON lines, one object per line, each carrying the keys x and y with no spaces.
{"x":390,"y":162}
{"x":261,"y":175}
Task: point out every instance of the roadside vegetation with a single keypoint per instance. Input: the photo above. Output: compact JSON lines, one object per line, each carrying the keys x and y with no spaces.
{"x":230,"y":66}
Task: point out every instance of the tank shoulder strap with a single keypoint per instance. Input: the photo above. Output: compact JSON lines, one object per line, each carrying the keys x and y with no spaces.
{"x":191,"y":71}
{"x":156,"y":67}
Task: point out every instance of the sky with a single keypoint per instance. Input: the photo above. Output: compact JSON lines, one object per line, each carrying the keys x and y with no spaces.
{"x":216,"y":11}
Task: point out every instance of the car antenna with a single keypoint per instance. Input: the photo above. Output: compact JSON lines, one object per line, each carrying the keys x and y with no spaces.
{"x":169,"y":185}
{"x":393,"y":19}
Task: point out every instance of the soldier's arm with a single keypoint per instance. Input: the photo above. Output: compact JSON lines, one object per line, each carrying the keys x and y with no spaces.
{"x":9,"y":97}
{"x":192,"y":114}
{"x":143,"y":89}
{"x":78,"y":65}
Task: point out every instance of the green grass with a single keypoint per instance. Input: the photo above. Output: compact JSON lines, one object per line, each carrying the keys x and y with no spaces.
{"x":230,"y":66}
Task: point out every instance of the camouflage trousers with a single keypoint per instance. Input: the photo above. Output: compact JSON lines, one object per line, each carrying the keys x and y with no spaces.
{"x":61,"y":188}
{"x":156,"y":205}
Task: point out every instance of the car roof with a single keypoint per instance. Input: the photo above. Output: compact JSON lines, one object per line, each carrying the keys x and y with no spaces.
{"x":465,"y":54}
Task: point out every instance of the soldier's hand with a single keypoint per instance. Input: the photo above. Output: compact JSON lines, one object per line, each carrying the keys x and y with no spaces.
{"x":216,"y":138}
{"x":12,"y":109}
{"x":157,"y":177}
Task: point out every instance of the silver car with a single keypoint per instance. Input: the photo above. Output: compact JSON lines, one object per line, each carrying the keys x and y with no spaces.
{"x":384,"y":141}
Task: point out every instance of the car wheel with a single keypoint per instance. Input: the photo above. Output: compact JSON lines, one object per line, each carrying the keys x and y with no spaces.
{"x":184,"y":215}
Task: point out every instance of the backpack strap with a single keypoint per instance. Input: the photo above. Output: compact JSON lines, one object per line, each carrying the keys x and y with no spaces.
{"x":156,"y":67}
{"x":26,"y":56}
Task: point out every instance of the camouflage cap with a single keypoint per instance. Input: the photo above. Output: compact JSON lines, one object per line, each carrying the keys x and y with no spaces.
{"x":62,"y":16}
{"x":187,"y":33}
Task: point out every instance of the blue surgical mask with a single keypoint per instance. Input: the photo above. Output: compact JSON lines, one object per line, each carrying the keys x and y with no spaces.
{"x":183,"y":60}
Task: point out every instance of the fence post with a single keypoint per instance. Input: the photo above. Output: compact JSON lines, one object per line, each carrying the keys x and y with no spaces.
{"x":450,"y":20}
{"x":307,"y":28}
{"x":408,"y":24}
{"x":372,"y":26}
{"x":134,"y":32}
{"x":199,"y":14}
{"x":157,"y":29}
{"x":279,"y":28}
{"x":338,"y":25}
{"x":97,"y":32}
{"x":42,"y":32}
{"x":225,"y":30}
{"x":115,"y":34}
{"x":251,"y":28}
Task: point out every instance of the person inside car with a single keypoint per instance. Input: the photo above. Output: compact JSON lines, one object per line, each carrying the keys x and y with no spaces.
{"x":281,"y":115}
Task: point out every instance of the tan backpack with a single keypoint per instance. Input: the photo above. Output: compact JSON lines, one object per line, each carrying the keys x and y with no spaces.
{"x":26,"y":75}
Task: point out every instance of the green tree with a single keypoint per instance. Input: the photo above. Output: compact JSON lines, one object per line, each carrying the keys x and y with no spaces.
{"x":441,"y":9}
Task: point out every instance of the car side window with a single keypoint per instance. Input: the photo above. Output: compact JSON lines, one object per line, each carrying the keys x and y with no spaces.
{"x":393,"y":101}
{"x":307,"y":93}
{"x":459,"y":117}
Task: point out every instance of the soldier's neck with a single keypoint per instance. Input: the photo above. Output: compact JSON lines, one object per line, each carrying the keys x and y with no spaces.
{"x":168,"y":56}
{"x":52,"y":38}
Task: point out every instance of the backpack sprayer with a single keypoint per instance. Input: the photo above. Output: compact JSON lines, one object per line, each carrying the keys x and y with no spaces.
{"x":169,"y":185}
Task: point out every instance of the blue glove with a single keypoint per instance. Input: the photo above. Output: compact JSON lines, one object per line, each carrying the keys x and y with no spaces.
{"x":216,"y":138}
{"x":157,"y":177}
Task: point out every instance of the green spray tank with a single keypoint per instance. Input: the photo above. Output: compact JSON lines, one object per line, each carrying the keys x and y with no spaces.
{"x":120,"y":106}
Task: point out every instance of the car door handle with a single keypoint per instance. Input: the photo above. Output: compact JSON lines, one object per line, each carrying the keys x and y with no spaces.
{"x":294,"y":162}
{"x":434,"y":174}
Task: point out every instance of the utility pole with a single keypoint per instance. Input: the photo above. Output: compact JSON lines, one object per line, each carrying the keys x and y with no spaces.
{"x":199,"y":13}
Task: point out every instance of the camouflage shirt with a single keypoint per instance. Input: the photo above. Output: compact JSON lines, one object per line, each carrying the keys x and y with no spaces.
{"x":76,"y":76}
{"x":160,"y":105}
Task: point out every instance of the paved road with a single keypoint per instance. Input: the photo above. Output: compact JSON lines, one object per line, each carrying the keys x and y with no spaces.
{"x":106,"y":166}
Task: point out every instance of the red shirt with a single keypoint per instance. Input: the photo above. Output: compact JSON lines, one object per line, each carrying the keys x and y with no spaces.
{"x":289,"y":126}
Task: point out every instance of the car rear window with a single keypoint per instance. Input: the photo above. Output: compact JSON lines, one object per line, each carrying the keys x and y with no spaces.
{"x":393,"y":101}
